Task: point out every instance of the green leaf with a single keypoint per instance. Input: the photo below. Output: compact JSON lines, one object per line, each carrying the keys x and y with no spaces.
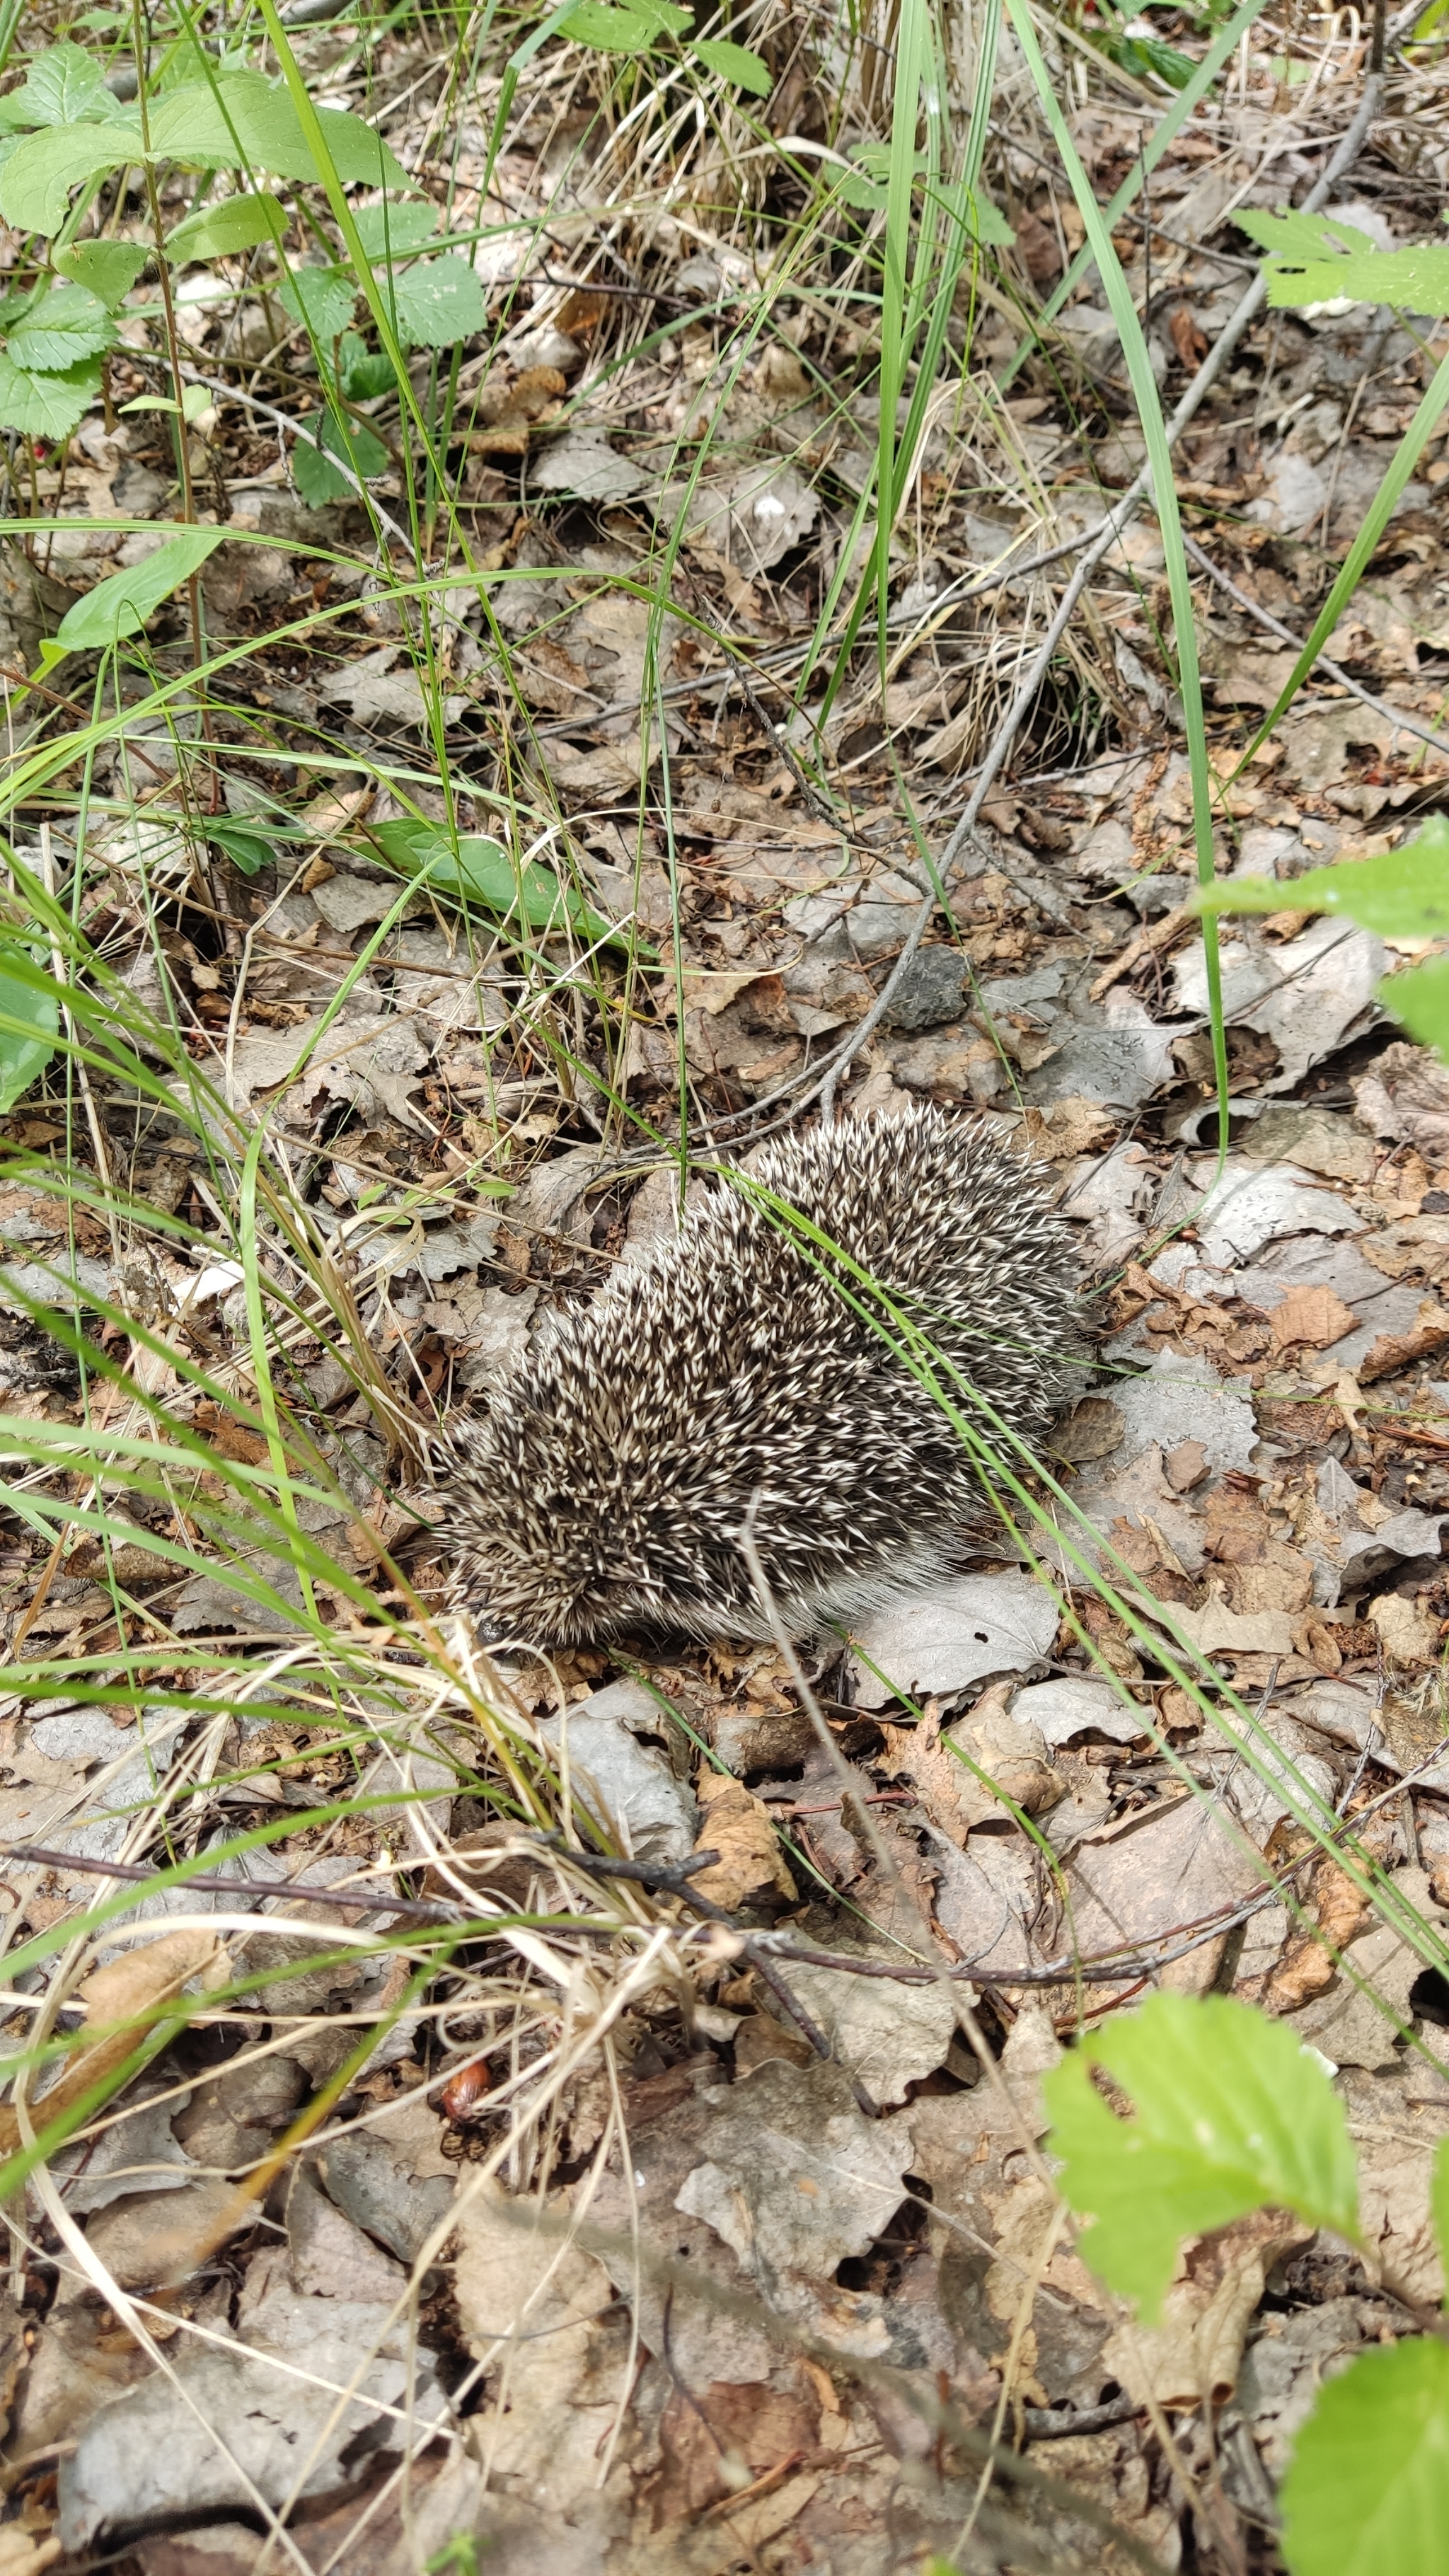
{"x":63,"y":87}
{"x":109,"y":269}
{"x":1367,"y":2489}
{"x":36,"y":181}
{"x":735,"y":63}
{"x":482,"y":872}
{"x":245,"y":123}
{"x":247,"y":850}
{"x":238,"y":223}
{"x":1403,"y":894}
{"x":392,"y":231}
{"x":608,"y":30}
{"x":1231,"y":2114}
{"x":1312,"y":259}
{"x":58,"y":328}
{"x":122,"y":604}
{"x":27,"y":996}
{"x":316,"y":480}
{"x":366,"y":373}
{"x":47,"y":405}
{"x":1419,"y":997}
{"x":973,"y":211}
{"x":438,"y":302}
{"x":322,"y":298}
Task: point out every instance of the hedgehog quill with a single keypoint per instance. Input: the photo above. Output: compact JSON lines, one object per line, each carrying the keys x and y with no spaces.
{"x":737,"y":1375}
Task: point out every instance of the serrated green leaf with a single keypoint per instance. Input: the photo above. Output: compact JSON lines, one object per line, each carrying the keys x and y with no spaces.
{"x":1415,"y":279}
{"x":481,"y":872}
{"x":735,"y":63}
{"x":36,"y":181}
{"x":391,"y":231}
{"x":316,"y":479}
{"x":121,"y":605}
{"x":1292,"y":235}
{"x":1367,"y":2489}
{"x":64,"y":87}
{"x":1313,"y":259}
{"x":58,"y":329}
{"x":607,"y":30}
{"x":1230,"y":2114}
{"x":438,"y":302}
{"x":217,"y":232}
{"x":366,"y":373}
{"x":109,"y":269}
{"x":47,"y":405}
{"x":29,"y":1021}
{"x":1418,"y":997}
{"x":1403,"y":894}
{"x":322,"y":298}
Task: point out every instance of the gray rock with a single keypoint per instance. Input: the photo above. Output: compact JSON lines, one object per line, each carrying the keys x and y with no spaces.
{"x":932,"y":990}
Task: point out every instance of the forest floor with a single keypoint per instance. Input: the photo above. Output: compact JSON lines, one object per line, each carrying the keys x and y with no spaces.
{"x":376,"y":2246}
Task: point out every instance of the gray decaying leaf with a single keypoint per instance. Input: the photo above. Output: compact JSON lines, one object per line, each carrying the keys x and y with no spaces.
{"x":939,"y":1641}
{"x":583,"y":462}
{"x":886,"y":2035}
{"x":151,"y":2455}
{"x":622,"y":1774}
{"x":755,"y":517}
{"x":797,"y":2179}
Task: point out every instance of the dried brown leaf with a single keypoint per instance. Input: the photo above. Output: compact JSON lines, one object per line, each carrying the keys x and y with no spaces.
{"x":739,"y":1827}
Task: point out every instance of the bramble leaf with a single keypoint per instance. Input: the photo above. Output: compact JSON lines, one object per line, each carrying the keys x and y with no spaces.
{"x":439,"y":301}
{"x":47,"y":404}
{"x":1367,"y":2489}
{"x":317,"y":478}
{"x":322,"y":298}
{"x":59,"y":328}
{"x":63,"y":87}
{"x":1402,"y":894}
{"x":1418,"y":996}
{"x":1230,"y":2114}
{"x":1312,"y":259}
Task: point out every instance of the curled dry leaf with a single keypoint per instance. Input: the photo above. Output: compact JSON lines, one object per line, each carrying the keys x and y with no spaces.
{"x":1410,"y":1636}
{"x":737,"y":1825}
{"x":1194,"y":2356}
{"x":122,"y":2003}
{"x":1307,"y":1967}
{"x":946,"y":1770}
{"x":1317,"y":1316}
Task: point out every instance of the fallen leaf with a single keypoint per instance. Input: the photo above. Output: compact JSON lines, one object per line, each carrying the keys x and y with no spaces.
{"x":1194,"y":2356}
{"x":737,"y":1825}
{"x":1395,"y":1351}
{"x":1317,"y":1316}
{"x":123,"y":2001}
{"x":1409,"y":1634}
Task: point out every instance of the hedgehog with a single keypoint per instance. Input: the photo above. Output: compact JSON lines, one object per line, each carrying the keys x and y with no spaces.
{"x":754,"y":1387}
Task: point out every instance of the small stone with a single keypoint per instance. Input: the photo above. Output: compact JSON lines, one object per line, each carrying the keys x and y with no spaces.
{"x":931,"y":990}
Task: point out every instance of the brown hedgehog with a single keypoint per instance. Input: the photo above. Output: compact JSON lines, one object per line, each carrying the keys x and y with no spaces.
{"x":731,"y":1374}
